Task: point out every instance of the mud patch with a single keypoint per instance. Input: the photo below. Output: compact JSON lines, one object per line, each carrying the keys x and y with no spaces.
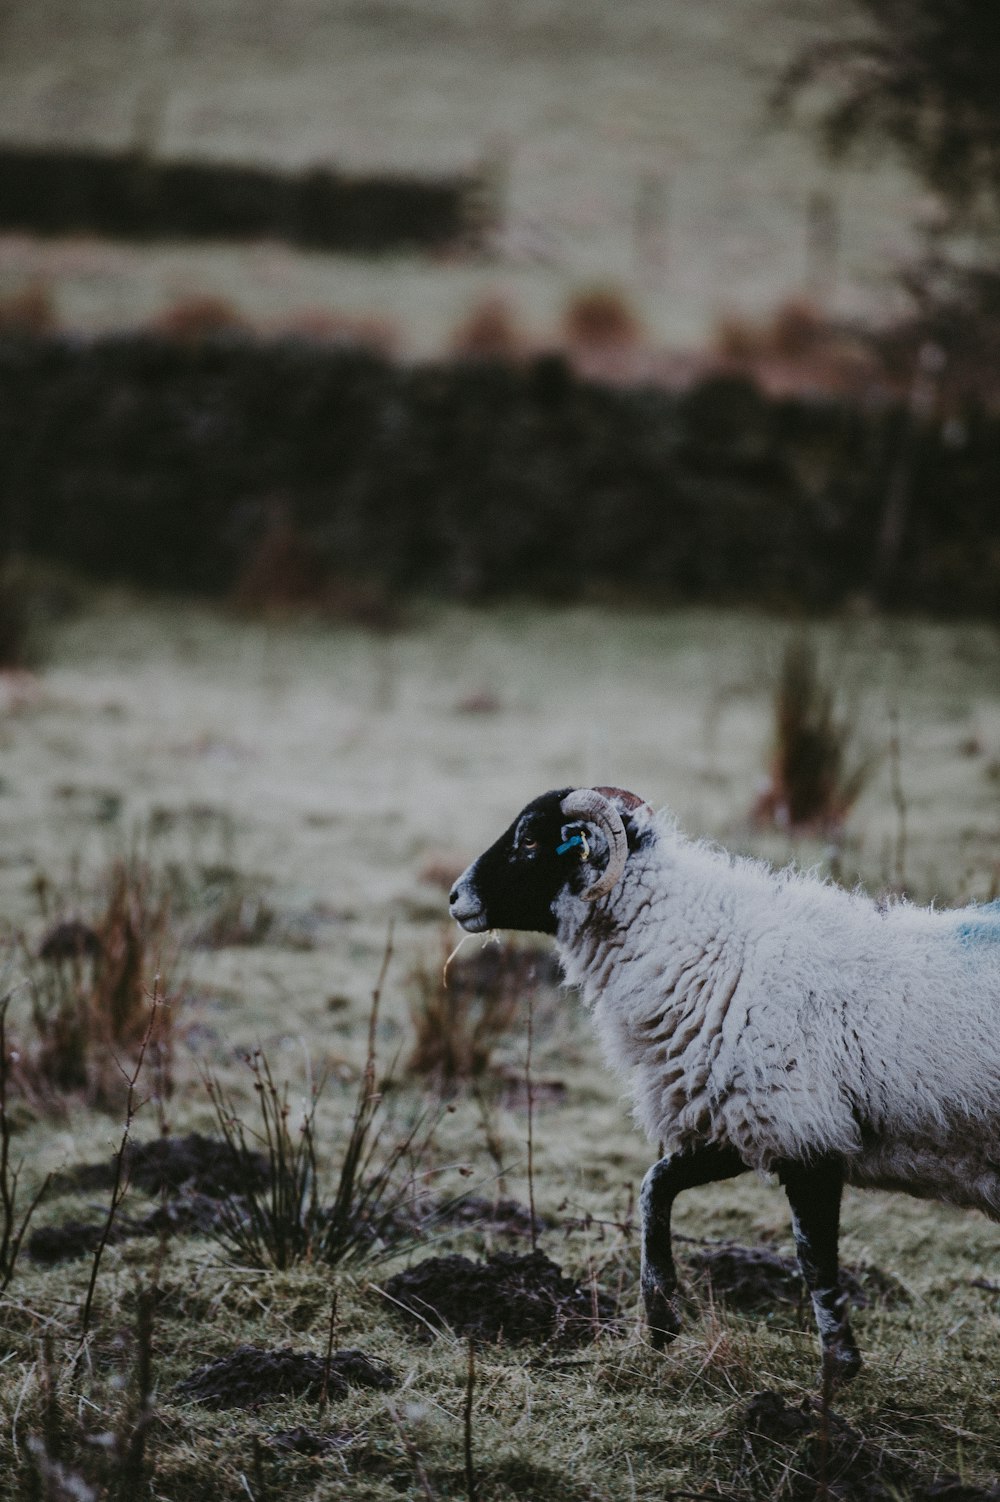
{"x":755,"y":1278}
{"x":199,"y":1179}
{"x":252,"y":1375}
{"x":507,"y":1297}
{"x":505,"y":1217}
{"x":70,"y":1238}
{"x":202,"y":1165}
{"x":832,"y":1457}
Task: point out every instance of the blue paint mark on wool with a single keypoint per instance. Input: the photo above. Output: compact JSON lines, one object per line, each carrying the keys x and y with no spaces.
{"x":980,"y":925}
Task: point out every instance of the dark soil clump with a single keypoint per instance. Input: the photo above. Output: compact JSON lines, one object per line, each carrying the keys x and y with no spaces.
{"x":200,"y":1179}
{"x":755,"y":1278}
{"x":506,"y":1216}
{"x":187,"y":1214}
{"x":252,"y":1375}
{"x":842,"y":1463}
{"x":203,"y":1165}
{"x":507,"y":1297}
{"x":71,"y":1238}
{"x":300,"y":1441}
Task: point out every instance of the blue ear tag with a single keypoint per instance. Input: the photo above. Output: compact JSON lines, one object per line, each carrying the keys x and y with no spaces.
{"x":576,"y":839}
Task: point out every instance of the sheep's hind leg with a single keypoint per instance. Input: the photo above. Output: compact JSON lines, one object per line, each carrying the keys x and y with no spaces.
{"x":814,"y":1192}
{"x":660,"y":1187}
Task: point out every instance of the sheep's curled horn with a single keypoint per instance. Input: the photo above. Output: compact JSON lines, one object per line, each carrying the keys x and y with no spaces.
{"x":584,"y":803}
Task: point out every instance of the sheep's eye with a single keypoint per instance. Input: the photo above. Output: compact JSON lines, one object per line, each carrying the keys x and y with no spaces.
{"x":529,"y":844}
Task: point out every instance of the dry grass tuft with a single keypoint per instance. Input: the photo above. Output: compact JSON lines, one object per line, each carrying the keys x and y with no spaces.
{"x":31,"y":310}
{"x":811,"y":785}
{"x":91,"y":983}
{"x":460,"y":1011}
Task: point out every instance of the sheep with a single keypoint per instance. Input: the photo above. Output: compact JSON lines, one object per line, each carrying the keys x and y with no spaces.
{"x":768,"y":1021}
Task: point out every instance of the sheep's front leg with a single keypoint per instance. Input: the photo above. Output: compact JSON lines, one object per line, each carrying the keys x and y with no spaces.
{"x":660,"y":1187}
{"x":814,"y":1192}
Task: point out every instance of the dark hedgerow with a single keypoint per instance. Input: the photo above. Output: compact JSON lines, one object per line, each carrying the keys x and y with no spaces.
{"x":164,"y":462}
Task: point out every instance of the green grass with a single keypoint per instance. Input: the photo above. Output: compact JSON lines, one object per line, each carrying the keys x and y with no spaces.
{"x":332,"y":768}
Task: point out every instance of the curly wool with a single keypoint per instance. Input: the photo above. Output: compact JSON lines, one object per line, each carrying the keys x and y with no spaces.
{"x":786,"y":1018}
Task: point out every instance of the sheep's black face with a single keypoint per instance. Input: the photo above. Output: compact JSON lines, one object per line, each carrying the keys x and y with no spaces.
{"x":515,"y":883}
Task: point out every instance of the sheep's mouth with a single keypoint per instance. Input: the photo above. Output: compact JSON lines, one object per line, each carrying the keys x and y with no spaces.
{"x":474,"y":922}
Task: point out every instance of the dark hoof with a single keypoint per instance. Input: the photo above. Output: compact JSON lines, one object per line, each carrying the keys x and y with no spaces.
{"x":663,"y":1317}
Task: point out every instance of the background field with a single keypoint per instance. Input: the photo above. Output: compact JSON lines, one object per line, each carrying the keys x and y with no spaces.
{"x":632,"y":141}
{"x":334,"y":771}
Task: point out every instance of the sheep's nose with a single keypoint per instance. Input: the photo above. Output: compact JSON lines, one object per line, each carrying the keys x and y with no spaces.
{"x":453,"y":896}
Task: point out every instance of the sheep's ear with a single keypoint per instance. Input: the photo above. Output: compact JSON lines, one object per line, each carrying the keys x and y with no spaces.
{"x":575,"y":840}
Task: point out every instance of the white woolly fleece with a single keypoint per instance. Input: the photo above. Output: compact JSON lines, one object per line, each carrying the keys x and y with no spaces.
{"x":787,"y":1018}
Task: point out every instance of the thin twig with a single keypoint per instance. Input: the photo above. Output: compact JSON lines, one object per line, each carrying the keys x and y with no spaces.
{"x":131,"y":1438}
{"x":412,"y":1452}
{"x":119,"y":1187}
{"x":471,"y":1489}
{"x":898,"y":801}
{"x":823,"y":1449}
{"x":531,"y":1122}
{"x":325,"y":1390}
{"x":263,"y":1490}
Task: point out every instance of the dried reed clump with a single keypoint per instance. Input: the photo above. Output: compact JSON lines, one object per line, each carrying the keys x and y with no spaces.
{"x":91,"y":986}
{"x":26,"y":602}
{"x":811,"y":785}
{"x":30,"y":310}
{"x":281,"y":570}
{"x":191,"y":319}
{"x":799,"y":348}
{"x":285,"y":571}
{"x":796,"y":328}
{"x":489,"y":331}
{"x":461,"y":1011}
{"x":600,"y":318}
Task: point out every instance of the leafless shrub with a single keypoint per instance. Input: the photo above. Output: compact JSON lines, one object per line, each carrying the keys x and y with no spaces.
{"x":812,"y":784}
{"x":287,"y":1220}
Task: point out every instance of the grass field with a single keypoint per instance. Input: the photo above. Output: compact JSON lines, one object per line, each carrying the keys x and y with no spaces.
{"x":632,"y":139}
{"x":329,"y":776}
